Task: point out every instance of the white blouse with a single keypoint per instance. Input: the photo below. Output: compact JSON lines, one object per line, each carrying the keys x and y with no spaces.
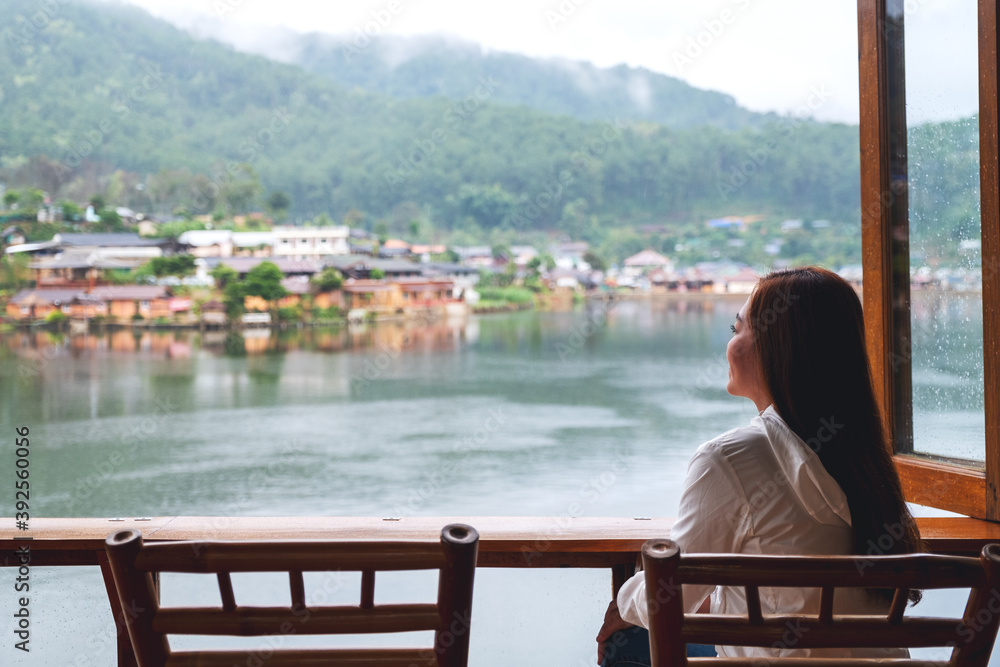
{"x":761,"y":490}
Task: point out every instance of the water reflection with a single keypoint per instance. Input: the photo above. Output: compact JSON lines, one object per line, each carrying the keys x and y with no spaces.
{"x":384,"y":420}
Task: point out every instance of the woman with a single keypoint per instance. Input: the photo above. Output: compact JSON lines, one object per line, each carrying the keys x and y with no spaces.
{"x":811,"y":474}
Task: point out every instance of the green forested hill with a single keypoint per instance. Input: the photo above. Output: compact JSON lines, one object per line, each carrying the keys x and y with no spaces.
{"x":104,"y":88}
{"x":436,"y":66}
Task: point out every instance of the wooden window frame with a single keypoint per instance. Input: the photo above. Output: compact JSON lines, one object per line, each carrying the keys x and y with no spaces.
{"x":941,"y":484}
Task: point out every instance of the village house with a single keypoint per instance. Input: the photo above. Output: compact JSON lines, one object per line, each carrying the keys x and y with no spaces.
{"x":424,"y":251}
{"x":310,"y":242}
{"x":126,"y":301}
{"x":374,"y":295}
{"x":30,"y":305}
{"x":463,"y":277}
{"x":478,"y":256}
{"x":422,"y":292}
{"x":118,"y":246}
{"x":253,"y":244}
{"x":741,"y":282}
{"x":207,"y":242}
{"x":288,"y":267}
{"x":397,"y":268}
{"x":12,"y":236}
{"x":226,"y":243}
{"x":394,"y":248}
{"x":117,"y":302}
{"x":300,"y":292}
{"x":213,"y":314}
{"x":82,"y":268}
{"x":360,"y":267}
{"x":569,"y":255}
{"x":86,"y":306}
{"x":646,"y":261}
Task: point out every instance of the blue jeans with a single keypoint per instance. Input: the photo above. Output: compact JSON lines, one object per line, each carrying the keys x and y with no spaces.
{"x":630,"y":648}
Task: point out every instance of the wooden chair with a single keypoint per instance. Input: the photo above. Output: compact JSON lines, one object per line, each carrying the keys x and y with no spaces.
{"x":970,"y":636}
{"x":133,"y":565}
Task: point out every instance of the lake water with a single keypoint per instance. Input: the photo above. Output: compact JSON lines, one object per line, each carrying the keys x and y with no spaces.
{"x":532,"y":413}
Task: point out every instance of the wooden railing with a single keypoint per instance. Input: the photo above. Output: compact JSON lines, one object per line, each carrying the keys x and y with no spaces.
{"x":510,"y":542}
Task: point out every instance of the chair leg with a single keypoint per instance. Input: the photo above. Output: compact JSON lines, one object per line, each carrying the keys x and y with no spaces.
{"x":126,"y":656}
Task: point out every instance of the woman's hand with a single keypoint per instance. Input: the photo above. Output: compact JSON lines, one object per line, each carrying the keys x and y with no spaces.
{"x":612,"y":623}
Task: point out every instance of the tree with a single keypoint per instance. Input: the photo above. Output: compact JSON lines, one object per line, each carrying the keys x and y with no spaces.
{"x":278,"y":204}
{"x":233,"y":296}
{"x":70,"y":211}
{"x":31,"y":200}
{"x":14,"y":271}
{"x":224,"y":275}
{"x":376,"y":274}
{"x":10,"y":198}
{"x":240,"y":192}
{"x":354,"y":218}
{"x":110,"y":221}
{"x":176,"y":265}
{"x":264,"y":280}
{"x":594,"y":260}
{"x":330,"y":280}
{"x":491,"y":206}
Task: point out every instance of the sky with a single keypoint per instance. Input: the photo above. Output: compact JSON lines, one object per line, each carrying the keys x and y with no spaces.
{"x":787,"y":56}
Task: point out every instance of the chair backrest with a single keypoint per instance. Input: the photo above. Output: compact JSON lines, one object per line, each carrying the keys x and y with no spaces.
{"x":134,"y":563}
{"x":970,"y":636}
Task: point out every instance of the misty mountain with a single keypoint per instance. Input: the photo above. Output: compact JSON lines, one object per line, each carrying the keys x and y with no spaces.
{"x":435,"y":65}
{"x":95,"y":89}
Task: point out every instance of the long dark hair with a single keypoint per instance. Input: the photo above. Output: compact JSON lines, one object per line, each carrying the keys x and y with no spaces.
{"x":809,"y":334}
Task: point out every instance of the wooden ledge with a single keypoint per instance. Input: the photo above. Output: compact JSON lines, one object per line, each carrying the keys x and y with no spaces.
{"x":504,"y":541}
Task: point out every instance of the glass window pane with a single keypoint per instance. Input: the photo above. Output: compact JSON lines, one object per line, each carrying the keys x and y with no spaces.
{"x":943,"y":165}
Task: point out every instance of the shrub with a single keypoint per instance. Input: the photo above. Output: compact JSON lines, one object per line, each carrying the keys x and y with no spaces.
{"x":55,"y":317}
{"x":517,"y":295}
{"x":290,"y":313}
{"x":331,"y":313}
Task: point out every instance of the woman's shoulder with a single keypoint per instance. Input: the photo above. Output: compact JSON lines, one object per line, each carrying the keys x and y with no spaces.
{"x":734,"y":441}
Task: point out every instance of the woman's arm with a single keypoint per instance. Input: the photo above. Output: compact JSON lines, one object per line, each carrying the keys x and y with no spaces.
{"x":713,"y":517}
